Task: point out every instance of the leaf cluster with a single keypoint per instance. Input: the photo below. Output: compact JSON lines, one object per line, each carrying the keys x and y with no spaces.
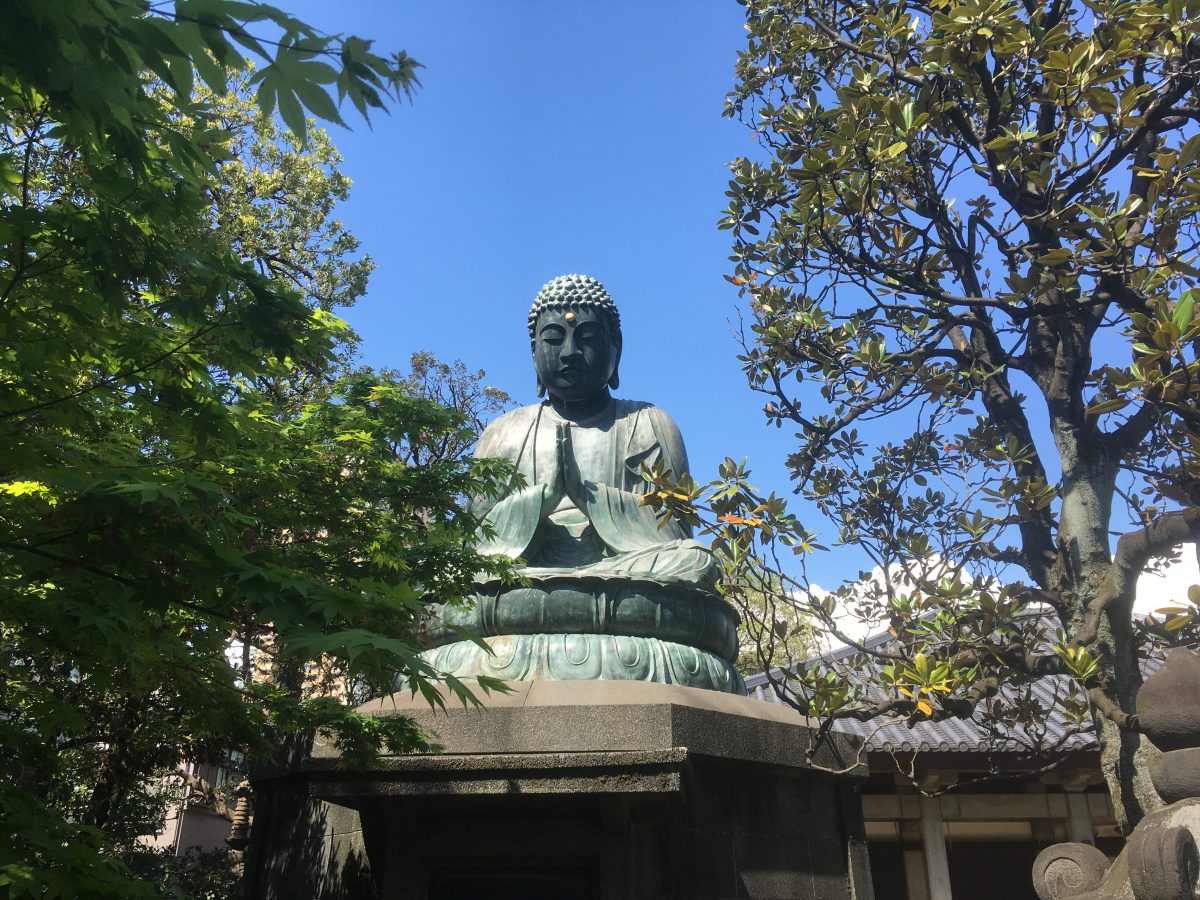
{"x":187,"y":458}
{"x":967,"y":246}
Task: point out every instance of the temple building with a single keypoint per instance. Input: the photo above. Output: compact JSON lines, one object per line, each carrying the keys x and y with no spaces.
{"x":976,"y":841}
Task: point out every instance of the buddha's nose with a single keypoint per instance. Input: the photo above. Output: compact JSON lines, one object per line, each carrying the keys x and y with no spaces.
{"x":570,"y":349}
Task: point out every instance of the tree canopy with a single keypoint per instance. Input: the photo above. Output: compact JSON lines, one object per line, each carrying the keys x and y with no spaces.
{"x":188,"y":457}
{"x":968,"y":245}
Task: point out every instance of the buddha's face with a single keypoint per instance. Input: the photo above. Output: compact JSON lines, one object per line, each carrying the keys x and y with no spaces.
{"x":574,"y":352}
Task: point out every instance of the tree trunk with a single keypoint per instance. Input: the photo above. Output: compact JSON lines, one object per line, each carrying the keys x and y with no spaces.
{"x":1085,"y":557}
{"x":1124,"y":754}
{"x":110,"y":787}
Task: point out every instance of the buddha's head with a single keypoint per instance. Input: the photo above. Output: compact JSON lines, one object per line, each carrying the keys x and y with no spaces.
{"x":575,"y":333}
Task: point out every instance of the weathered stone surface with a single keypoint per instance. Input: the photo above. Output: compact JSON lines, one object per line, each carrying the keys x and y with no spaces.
{"x":305,"y":848}
{"x":648,"y":790}
{"x":590,"y":716}
{"x":1168,"y":705}
{"x":1176,"y":774}
{"x":644,"y":772}
{"x":1158,"y":862}
{"x":1070,"y":871}
{"x":1162,"y":861}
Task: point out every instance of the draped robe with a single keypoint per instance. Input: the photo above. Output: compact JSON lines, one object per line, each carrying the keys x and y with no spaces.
{"x":613,"y":535}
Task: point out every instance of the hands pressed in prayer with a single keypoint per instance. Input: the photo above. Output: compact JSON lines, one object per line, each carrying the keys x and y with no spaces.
{"x":567,"y":481}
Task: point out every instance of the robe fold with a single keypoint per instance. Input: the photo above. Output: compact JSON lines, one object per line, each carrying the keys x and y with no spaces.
{"x":613,"y":535}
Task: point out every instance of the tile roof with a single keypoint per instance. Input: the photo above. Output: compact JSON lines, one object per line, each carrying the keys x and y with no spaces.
{"x":891,"y":735}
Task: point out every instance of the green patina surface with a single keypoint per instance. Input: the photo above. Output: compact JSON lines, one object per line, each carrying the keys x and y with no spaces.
{"x":568,"y":657}
{"x":595,"y":607}
{"x":611,"y":591}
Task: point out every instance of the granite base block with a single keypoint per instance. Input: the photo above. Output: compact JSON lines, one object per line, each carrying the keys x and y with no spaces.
{"x":597,"y":790}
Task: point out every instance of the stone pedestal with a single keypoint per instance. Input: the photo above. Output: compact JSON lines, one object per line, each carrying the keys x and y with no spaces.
{"x":562,"y":790}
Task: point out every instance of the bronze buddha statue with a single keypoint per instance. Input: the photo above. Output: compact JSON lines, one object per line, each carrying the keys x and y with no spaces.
{"x":612,"y":591}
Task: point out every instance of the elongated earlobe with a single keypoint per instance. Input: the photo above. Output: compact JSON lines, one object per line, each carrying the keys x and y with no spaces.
{"x":615,"y":381}
{"x":541,"y":389}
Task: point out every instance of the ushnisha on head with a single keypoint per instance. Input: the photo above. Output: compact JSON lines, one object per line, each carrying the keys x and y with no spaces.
{"x":575,"y":335}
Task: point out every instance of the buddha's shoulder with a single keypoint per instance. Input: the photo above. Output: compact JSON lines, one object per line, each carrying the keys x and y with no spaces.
{"x":523,"y":418}
{"x":520,"y":414}
{"x":646,"y":411}
{"x":520,"y":419}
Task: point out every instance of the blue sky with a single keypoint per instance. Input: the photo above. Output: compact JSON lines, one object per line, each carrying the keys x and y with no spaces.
{"x":558,"y":136}
{"x":549,"y":138}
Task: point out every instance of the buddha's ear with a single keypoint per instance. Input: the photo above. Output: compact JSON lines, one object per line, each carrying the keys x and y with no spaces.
{"x":541,"y":388}
{"x":615,"y":381}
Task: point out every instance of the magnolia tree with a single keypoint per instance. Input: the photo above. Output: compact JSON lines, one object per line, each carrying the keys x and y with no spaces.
{"x":967,"y":245}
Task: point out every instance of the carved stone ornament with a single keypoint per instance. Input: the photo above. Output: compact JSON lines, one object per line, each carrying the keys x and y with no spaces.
{"x":1163,"y":863}
{"x":1168,"y":704}
{"x":1160,"y":860}
{"x":1068,"y":871}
